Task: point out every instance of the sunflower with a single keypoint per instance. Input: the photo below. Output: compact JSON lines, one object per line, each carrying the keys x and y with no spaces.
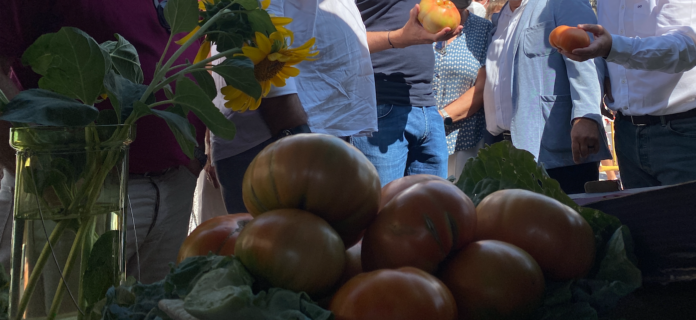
{"x":273,"y":63}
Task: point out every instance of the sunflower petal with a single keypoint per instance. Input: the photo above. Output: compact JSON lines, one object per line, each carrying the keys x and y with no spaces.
{"x":254,"y":54}
{"x":265,"y":4}
{"x":188,"y":36}
{"x":263,"y":43}
{"x":203,"y":52}
{"x":278,"y":81}
{"x":291,"y":71}
{"x":280,"y":21}
{"x":255,"y":105}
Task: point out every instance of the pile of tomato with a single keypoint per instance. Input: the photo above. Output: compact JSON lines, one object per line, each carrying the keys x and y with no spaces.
{"x":418,"y":248}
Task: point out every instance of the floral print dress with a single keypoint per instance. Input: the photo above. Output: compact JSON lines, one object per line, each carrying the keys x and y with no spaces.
{"x":456,"y":67}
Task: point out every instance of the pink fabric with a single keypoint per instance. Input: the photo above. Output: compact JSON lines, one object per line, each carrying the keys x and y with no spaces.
{"x":22,"y":22}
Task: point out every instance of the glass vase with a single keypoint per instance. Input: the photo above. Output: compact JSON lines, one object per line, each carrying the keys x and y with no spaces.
{"x":69,"y":228}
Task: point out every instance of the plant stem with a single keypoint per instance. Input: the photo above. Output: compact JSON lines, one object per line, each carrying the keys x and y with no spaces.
{"x":196,"y":67}
{"x":38,"y":267}
{"x":159,"y":103}
{"x":85,"y":229}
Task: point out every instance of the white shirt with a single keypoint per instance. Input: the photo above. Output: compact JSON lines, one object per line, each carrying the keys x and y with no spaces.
{"x":654,"y":35}
{"x":477,"y":9}
{"x":497,"y":93}
{"x":337,"y":90}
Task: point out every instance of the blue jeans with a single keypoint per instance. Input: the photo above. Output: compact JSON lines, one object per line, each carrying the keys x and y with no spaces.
{"x":655,"y":155}
{"x":411,"y":140}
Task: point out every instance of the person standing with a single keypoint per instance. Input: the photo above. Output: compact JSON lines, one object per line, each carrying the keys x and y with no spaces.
{"x":458,"y":87}
{"x":336,"y":91}
{"x":538,"y":99}
{"x":411,"y":134}
{"x":650,"y":52}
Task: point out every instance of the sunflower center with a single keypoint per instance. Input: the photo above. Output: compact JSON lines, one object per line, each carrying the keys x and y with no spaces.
{"x":267,"y":69}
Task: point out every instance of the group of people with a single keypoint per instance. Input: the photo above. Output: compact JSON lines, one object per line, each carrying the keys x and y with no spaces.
{"x":413,"y":102}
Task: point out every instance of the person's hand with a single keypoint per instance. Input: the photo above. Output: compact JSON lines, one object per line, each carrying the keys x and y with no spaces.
{"x":608,"y":97}
{"x":211,"y":174}
{"x":600,"y":47}
{"x":413,"y":33}
{"x":195,"y":167}
{"x":585,"y":139}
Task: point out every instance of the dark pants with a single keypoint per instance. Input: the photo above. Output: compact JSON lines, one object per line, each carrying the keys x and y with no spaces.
{"x":571,"y":178}
{"x":655,"y":155}
{"x":230,"y":173}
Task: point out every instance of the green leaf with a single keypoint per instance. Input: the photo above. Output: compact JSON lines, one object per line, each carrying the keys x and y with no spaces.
{"x":78,"y":66}
{"x":248,"y":4}
{"x":124,"y":59}
{"x":47,"y":108}
{"x":99,"y":275}
{"x":182,"y":15}
{"x":192,"y":97}
{"x":39,"y":55}
{"x":123,"y":93}
{"x":228,"y":40}
{"x":238,"y":72}
{"x":3,"y":101}
{"x":107,"y":117}
{"x":182,"y":129}
{"x":261,"y":21}
{"x":206,"y":82}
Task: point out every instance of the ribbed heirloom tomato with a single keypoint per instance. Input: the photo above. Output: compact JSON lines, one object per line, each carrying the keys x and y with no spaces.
{"x":404,"y":294}
{"x":569,"y":38}
{"x":420,"y":227}
{"x":558,"y":238}
{"x":494,"y":280}
{"x":318,"y":173}
{"x":391,"y":189}
{"x":292,"y":249}
{"x":435,"y":15}
{"x":217,"y":235}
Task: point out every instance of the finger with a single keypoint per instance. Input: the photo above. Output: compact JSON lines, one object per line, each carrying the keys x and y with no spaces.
{"x":573,"y":56}
{"x":584,"y":152}
{"x":576,"y":151}
{"x":594,"y":142}
{"x":592,"y":28}
{"x":443,"y":34}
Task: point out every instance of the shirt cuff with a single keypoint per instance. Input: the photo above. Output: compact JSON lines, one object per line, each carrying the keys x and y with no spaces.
{"x":289,"y":88}
{"x":621,"y":50}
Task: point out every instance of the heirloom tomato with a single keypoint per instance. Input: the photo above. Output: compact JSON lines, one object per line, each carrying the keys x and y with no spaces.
{"x":395,"y":187}
{"x":406,"y":294}
{"x":436,"y":15}
{"x":217,"y":235}
{"x":558,"y":238}
{"x":319,"y":173}
{"x":494,"y":280}
{"x":569,"y":38}
{"x":292,"y":249}
{"x":420,"y":227}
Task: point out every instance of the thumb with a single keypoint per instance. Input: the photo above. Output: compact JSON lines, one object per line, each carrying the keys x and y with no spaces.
{"x":595,"y":29}
{"x":414,"y":12}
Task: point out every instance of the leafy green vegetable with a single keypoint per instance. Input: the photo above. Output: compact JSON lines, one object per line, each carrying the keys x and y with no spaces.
{"x":502,"y":166}
{"x":212,"y":287}
{"x":182,"y":15}
{"x":124,"y":58}
{"x":44,"y":107}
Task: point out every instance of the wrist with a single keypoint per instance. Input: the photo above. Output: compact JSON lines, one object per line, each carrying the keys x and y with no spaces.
{"x":395,"y":38}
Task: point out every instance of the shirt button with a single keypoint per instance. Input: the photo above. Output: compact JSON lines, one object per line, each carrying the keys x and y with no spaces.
{"x":625,"y":108}
{"x":622,"y":32}
{"x":623,"y":80}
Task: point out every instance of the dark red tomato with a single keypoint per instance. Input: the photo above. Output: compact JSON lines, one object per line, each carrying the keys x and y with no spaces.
{"x":404,"y":294}
{"x":294,"y":250}
{"x":558,"y":238}
{"x":420,"y":227}
{"x":353,"y":263}
{"x":217,"y":235}
{"x":395,"y":187}
{"x":494,"y":280}
{"x":318,"y":173}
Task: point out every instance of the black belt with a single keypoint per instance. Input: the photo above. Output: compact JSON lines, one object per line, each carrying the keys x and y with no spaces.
{"x":506,"y":135}
{"x":648,"y":120}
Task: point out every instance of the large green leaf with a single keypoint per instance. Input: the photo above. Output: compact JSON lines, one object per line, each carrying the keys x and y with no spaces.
{"x":39,"y":55}
{"x":124,"y":58}
{"x":248,"y":4}
{"x":206,"y":82}
{"x":261,"y":21}
{"x":77,"y":67}
{"x":122,"y":94}
{"x":99,"y":276}
{"x":44,"y":107}
{"x":182,"y":129}
{"x":238,"y":72}
{"x":182,"y":15}
{"x":192,"y":97}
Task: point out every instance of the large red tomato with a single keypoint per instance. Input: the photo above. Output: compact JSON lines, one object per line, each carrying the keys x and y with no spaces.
{"x":395,"y":187}
{"x":494,"y":280}
{"x":292,"y":249}
{"x":435,"y":15}
{"x":569,"y":38}
{"x":217,"y":235}
{"x":420,"y":227}
{"x":558,"y":238}
{"x":405,"y":294}
{"x":318,"y":173}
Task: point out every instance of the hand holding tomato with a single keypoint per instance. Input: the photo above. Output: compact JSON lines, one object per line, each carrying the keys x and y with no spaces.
{"x":413,"y":32}
{"x":600,"y":47}
{"x":565,"y":38}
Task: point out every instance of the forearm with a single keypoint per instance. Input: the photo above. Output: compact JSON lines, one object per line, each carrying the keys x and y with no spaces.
{"x":669,"y":53}
{"x":471,"y":101}
{"x":282,"y":112}
{"x":7,"y":154}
